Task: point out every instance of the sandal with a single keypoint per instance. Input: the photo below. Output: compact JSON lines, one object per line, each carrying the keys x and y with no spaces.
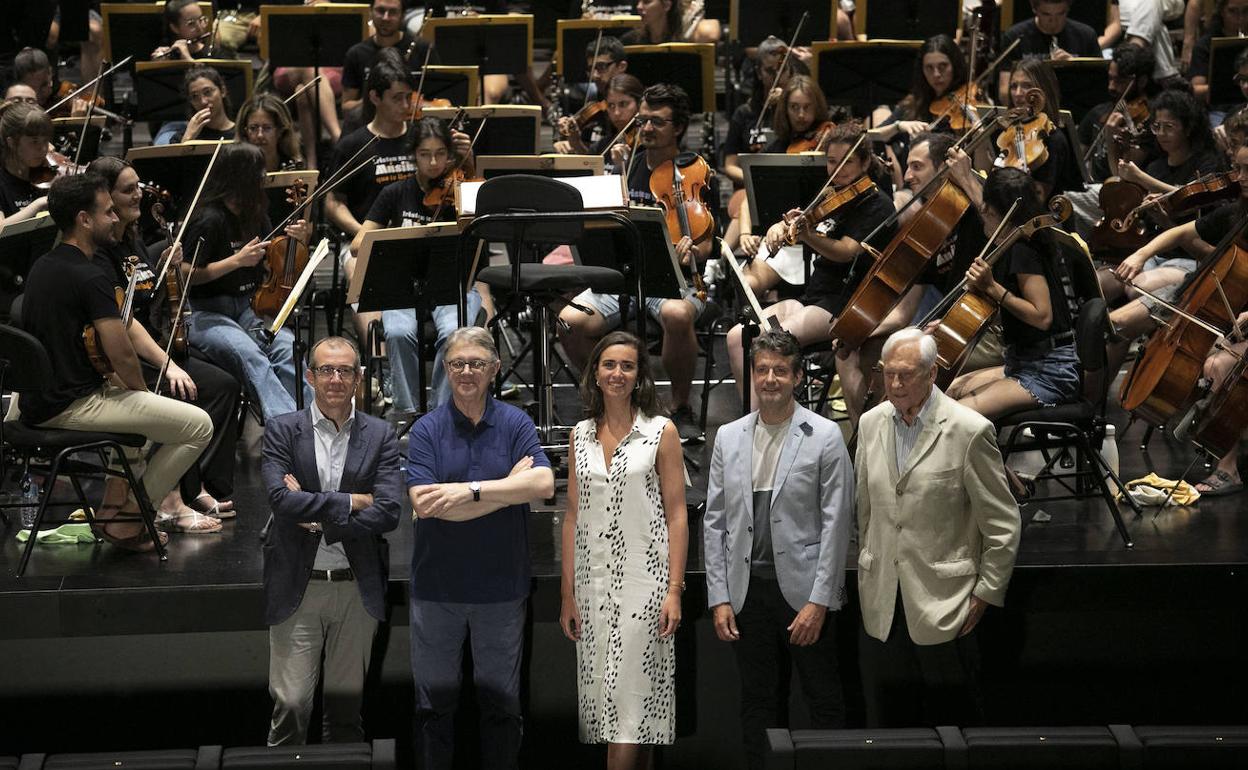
{"x":216,"y":510}
{"x":1219,"y":485}
{"x":140,"y":542}
{"x":190,"y":523}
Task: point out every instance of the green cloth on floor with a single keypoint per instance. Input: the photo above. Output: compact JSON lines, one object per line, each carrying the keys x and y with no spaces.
{"x":66,"y":534}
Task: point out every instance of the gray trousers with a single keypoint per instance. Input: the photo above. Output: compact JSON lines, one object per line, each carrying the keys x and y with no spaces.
{"x":331,"y":620}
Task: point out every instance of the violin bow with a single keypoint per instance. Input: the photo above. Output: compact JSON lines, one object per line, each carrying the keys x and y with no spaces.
{"x":323,"y":190}
{"x":89,"y":84}
{"x":460,"y":163}
{"x":164,"y":367}
{"x":784,"y":62}
{"x":771,"y":252}
{"x":160,"y":274}
{"x":86,"y":120}
{"x":301,"y":89}
{"x":631,"y":122}
{"x":1099,"y":139}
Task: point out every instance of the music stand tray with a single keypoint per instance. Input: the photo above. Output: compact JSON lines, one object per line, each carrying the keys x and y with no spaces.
{"x":1084,"y":83}
{"x":557,"y":166}
{"x":177,"y":168}
{"x":1222,"y":86}
{"x":21,"y":243}
{"x":512,"y":129}
{"x":864,"y":74}
{"x":459,"y":85}
{"x":775,"y":183}
{"x":158,"y":85}
{"x":688,"y":65}
{"x":751,"y":21}
{"x":311,"y":35}
{"x":573,"y":35}
{"x":275,"y":184}
{"x":500,"y":44}
{"x":135,"y":28}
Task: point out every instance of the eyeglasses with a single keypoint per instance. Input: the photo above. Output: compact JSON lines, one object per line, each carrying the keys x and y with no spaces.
{"x":260,"y":128}
{"x":328,"y":372}
{"x":1164,"y":128}
{"x":459,"y":365}
{"x":657,"y":122}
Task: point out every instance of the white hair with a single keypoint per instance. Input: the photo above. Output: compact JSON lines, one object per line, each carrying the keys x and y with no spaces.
{"x":927,"y":345}
{"x":471,"y":335}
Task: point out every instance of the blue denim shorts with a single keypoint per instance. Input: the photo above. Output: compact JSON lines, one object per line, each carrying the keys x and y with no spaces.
{"x":1051,"y":377}
{"x":608,"y":305}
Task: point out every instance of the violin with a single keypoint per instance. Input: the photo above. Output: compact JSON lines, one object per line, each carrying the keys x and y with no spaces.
{"x":419,"y":102}
{"x":589,"y":113}
{"x":682,"y":196}
{"x":125,"y":303}
{"x":1022,"y":142}
{"x":54,"y":165}
{"x":812,"y":140}
{"x":175,"y":288}
{"x":955,"y":104}
{"x":443,"y":188}
{"x":1118,"y":233}
{"x":284,"y":260}
{"x":1183,"y":200}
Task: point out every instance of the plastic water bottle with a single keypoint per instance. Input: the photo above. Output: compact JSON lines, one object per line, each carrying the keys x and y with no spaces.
{"x":30,"y":500}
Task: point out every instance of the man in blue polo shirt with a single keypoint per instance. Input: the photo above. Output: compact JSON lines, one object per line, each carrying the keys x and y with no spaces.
{"x":473,"y":465}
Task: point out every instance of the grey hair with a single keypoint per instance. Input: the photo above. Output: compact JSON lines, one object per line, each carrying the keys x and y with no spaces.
{"x":927,"y":345}
{"x":472,"y":335}
{"x":770,"y":45}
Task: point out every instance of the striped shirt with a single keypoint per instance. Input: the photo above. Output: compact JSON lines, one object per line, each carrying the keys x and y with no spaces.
{"x":907,"y":435}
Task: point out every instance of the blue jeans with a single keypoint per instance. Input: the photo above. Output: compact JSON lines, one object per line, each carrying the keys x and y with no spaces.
{"x":229,"y":332}
{"x":406,"y":377}
{"x":170,"y":133}
{"x":496,"y":631}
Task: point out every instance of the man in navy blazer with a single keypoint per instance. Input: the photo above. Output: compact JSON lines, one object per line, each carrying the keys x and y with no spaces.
{"x":334,"y":484}
{"x":779,"y":513}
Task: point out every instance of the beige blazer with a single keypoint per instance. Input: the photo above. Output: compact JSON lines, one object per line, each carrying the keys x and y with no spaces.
{"x":943,"y":528}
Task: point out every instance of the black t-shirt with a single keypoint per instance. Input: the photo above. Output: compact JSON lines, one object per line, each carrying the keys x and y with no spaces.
{"x":65,"y":292}
{"x":16,"y":194}
{"x":394,"y":163}
{"x":639,"y":181}
{"x":1199,"y":68}
{"x":402,"y":204}
{"x":361,"y":56}
{"x":223,"y":235}
{"x":1058,"y":170}
{"x":737,"y":140}
{"x":1208,"y":162}
{"x":1027,"y":257}
{"x":1213,"y":226}
{"x":832,"y":283}
{"x":1091,"y":125}
{"x":209,"y":134}
{"x":117,"y":260}
{"x":1076,"y":38}
{"x":948,"y":265}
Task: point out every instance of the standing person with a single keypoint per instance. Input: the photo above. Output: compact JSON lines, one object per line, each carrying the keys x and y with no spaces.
{"x":333,"y":479}
{"x":938,"y":532}
{"x":625,"y":541}
{"x":474,"y":463}
{"x":775,"y":545}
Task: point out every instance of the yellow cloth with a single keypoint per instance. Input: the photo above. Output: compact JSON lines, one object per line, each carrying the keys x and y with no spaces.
{"x":1153,"y":489}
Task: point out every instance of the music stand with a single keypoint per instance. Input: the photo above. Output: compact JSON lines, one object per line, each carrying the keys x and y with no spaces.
{"x":688,"y":65}
{"x":135,"y":28}
{"x":865,"y":74}
{"x":275,"y":184}
{"x":460,"y":86}
{"x":176,"y":168}
{"x":1084,"y":83}
{"x":65,"y":136}
{"x":556,"y":166}
{"x":902,"y":20}
{"x":573,"y":35}
{"x":158,"y":86}
{"x":1223,"y":51}
{"x":776,"y":183}
{"x":500,"y":44}
{"x":408,"y":267}
{"x":21,"y":243}
{"x":512,"y":129}
{"x":750,"y":22}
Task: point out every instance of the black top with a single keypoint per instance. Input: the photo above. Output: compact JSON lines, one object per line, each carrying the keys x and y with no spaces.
{"x":639,"y":181}
{"x":16,"y":194}
{"x":209,"y":134}
{"x":1208,"y":162}
{"x":402,"y":204}
{"x":1213,"y":226}
{"x":948,"y":266}
{"x":1091,"y":125}
{"x":117,"y":260}
{"x":832,"y":283}
{"x":1026,"y":257}
{"x":360,"y":58}
{"x":1058,"y":170}
{"x":1076,"y":38}
{"x":223,"y":235}
{"x":65,"y":292}
{"x":393,"y":164}
{"x":737,"y":140}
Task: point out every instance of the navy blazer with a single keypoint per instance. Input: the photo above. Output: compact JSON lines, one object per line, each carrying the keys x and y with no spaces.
{"x":372,"y":467}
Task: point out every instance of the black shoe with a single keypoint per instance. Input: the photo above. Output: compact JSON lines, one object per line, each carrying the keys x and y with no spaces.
{"x":687,"y":425}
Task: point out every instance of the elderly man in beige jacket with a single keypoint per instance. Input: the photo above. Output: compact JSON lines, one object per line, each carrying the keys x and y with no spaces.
{"x":938,"y":532}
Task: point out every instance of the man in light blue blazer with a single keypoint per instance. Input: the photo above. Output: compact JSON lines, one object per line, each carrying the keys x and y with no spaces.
{"x":779,"y":513}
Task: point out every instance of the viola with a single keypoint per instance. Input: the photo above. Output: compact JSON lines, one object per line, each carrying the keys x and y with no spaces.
{"x":54,"y":165}
{"x":834,"y":199}
{"x":1118,"y":233}
{"x":590,"y":112}
{"x":812,"y":140}
{"x":125,"y":303}
{"x":284,"y":260}
{"x":682,"y":194}
{"x":443,"y":188}
{"x":1022,"y":142}
{"x":954,"y":107}
{"x":1201,"y":192}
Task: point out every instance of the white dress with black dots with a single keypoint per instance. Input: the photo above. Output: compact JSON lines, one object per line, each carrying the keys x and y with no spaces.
{"x":625,"y":673}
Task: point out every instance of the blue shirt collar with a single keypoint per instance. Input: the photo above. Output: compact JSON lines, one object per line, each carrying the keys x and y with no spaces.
{"x":460,"y":420}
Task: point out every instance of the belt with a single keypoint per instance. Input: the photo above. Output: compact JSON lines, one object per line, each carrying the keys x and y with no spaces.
{"x":1052,"y":343}
{"x":333,"y":575}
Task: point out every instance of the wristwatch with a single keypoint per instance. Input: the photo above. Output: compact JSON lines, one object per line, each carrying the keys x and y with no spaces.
{"x":475,"y":486}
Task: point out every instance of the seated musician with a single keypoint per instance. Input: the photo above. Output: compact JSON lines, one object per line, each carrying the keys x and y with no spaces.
{"x":25,"y":131}
{"x":671,"y":21}
{"x":389,"y":91}
{"x":1225,"y":479}
{"x":662,"y":121}
{"x":939,"y":70}
{"x":1059,"y":172}
{"x":388,"y":32}
{"x":604,"y":60}
{"x":67,"y":291}
{"x":264,"y":121}
{"x":20,"y":92}
{"x":1233,"y":132}
{"x":193,"y":508}
{"x":1050,"y":34}
{"x":1180,"y":125}
{"x":321,"y":99}
{"x":1230,"y":20}
{"x":232,"y":217}
{"x":185,"y":28}
{"x":209,"y":106}
{"x":1041,"y":366}
{"x":1197,"y":238}
{"x":839,"y":264}
{"x":623,"y":98}
{"x":404,"y":204}
{"x":746,"y":115}
{"x":32,"y":68}
{"x":1130,"y":76}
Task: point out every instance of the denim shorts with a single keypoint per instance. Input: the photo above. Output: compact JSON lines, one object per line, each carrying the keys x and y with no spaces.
{"x":1051,"y":377}
{"x":1167,"y":293}
{"x":608,"y":305}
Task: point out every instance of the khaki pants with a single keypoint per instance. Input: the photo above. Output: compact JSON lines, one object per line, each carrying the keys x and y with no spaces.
{"x":181,"y":430}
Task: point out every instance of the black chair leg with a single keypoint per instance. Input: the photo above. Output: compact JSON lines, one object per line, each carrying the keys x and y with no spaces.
{"x":1108,"y":496}
{"x":49,"y":483}
{"x":707,"y":371}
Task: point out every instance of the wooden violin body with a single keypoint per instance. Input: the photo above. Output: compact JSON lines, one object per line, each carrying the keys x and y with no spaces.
{"x":284,"y":260}
{"x":1202,"y":192}
{"x":1022,"y":142}
{"x":684,"y":199}
{"x":812,"y":140}
{"x":953,"y":106}
{"x":899,"y":266}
